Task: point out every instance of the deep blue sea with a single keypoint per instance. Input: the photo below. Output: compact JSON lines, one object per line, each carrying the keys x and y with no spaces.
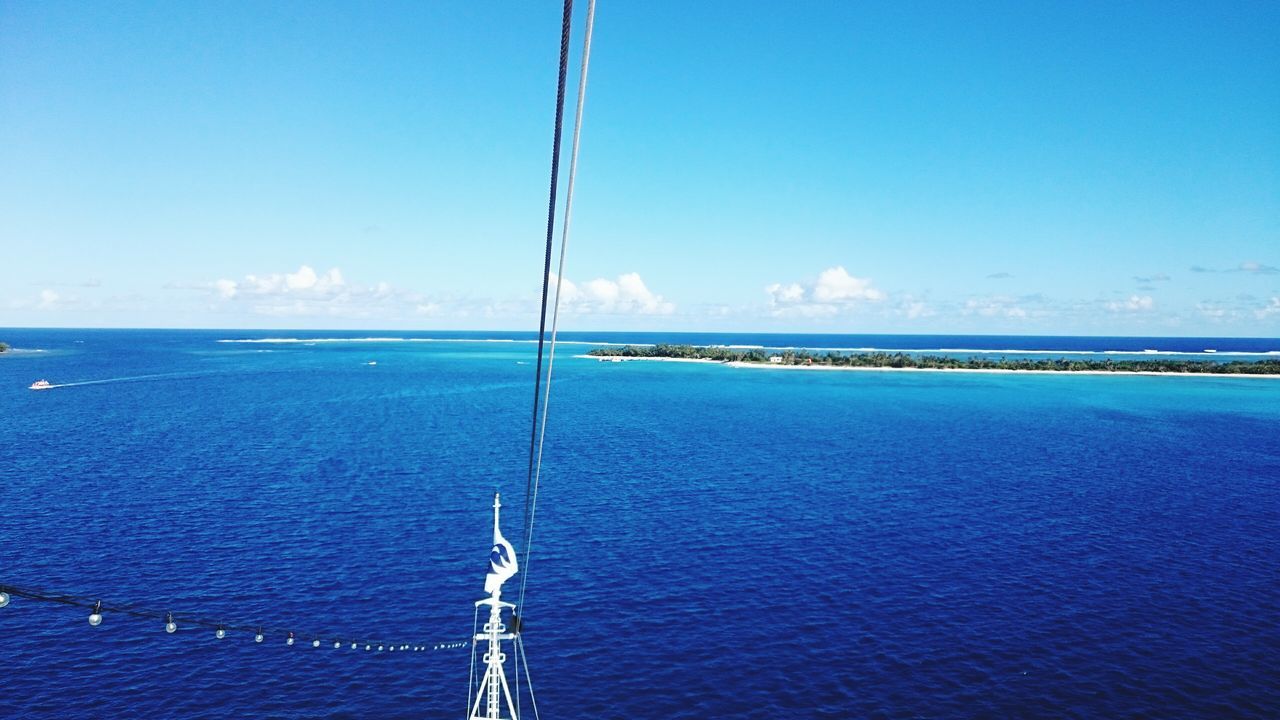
{"x":712,"y":542}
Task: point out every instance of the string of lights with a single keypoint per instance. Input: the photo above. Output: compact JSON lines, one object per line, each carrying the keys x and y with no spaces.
{"x":174,"y":621}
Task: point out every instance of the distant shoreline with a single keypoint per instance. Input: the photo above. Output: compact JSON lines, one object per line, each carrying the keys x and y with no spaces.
{"x":886,"y":362}
{"x":1000,"y":371}
{"x":993,"y":371}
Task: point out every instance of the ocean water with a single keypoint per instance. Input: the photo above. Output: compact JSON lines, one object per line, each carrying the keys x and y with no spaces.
{"x":711,"y":541}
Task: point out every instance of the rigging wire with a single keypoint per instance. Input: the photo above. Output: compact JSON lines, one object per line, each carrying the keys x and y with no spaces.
{"x":531,"y":497}
{"x":471,"y":674}
{"x":525,"y":659}
{"x":176,"y":620}
{"x":566,"y":25}
{"x":515,"y":650}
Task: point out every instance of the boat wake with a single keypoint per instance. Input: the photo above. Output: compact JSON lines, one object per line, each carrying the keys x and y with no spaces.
{"x":128,"y":379}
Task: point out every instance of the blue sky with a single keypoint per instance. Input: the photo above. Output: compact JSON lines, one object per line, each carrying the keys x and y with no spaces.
{"x":918,"y":167}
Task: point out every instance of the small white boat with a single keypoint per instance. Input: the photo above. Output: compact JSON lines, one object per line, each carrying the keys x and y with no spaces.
{"x":1210,"y":350}
{"x":372,"y":362}
{"x":40,"y":385}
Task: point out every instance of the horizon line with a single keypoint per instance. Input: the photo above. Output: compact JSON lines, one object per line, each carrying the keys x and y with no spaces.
{"x":534,"y":332}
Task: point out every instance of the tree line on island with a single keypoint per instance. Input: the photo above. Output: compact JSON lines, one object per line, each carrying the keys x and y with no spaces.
{"x":4,"y":347}
{"x":934,"y":362}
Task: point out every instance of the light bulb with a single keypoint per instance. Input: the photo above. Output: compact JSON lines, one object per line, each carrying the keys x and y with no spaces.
{"x":392,"y":649}
{"x":367,"y":648}
{"x":169,"y":625}
{"x":379,"y":648}
{"x":336,"y":644}
{"x":4,"y":599}
{"x":290,"y":640}
{"x":315,"y":643}
{"x":258,"y":638}
{"x":353,"y":646}
{"x":221,"y":633}
{"x":95,"y":619}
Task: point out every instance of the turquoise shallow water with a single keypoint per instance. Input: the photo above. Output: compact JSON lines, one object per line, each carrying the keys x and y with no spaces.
{"x":711,"y":542}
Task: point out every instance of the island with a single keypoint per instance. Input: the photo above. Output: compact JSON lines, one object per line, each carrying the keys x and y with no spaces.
{"x":792,"y":358}
{"x":3,"y":348}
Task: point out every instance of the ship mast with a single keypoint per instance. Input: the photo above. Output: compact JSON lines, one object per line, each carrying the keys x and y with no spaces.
{"x":493,"y":692}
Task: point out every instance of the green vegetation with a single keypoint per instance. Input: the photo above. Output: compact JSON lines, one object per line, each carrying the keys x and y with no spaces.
{"x":938,"y":362}
{"x":3,"y":347}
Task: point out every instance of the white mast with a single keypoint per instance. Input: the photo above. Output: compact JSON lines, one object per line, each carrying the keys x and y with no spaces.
{"x":493,"y":687}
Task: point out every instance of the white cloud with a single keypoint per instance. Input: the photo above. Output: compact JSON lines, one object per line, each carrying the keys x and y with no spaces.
{"x":1249,"y":266}
{"x":1214,"y":310}
{"x":834,"y":290}
{"x":303,"y":282}
{"x":603,"y":291}
{"x":50,"y":300}
{"x":1271,"y":308}
{"x":995,"y":306}
{"x":287,"y":309}
{"x":226,"y":288}
{"x":625,"y":295}
{"x":838,"y":286}
{"x":804,"y":310}
{"x":1135,"y":303}
{"x":306,"y":293}
{"x":1258,"y":268}
{"x":917,"y":309}
{"x":781,"y":294}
